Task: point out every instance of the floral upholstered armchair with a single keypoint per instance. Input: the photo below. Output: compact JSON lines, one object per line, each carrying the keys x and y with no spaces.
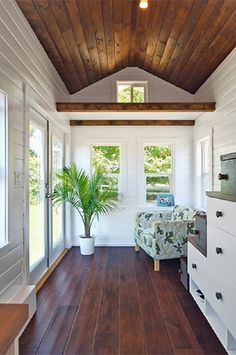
{"x":163,"y":235}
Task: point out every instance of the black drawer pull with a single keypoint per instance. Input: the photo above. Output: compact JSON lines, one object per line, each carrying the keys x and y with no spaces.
{"x":218,"y":250}
{"x":219,"y":214}
{"x":223,"y":176}
{"x":194,"y":266}
{"x":219,"y":296}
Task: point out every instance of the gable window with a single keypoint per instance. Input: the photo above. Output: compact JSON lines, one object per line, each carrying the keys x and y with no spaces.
{"x":3,"y":163}
{"x":203,"y":171}
{"x":131,"y":92}
{"x":106,"y":159}
{"x":157,"y":171}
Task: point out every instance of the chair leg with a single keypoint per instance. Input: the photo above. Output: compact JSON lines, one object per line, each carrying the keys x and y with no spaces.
{"x":156,"y":265}
{"x":136,"y":247}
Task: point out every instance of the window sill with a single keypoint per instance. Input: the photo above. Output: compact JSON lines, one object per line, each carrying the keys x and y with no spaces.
{"x":156,"y":208}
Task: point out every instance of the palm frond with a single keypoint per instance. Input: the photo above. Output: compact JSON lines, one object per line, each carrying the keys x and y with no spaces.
{"x":85,"y":194}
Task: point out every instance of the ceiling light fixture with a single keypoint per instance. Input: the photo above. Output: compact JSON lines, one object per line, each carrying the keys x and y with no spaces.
{"x":143,"y":4}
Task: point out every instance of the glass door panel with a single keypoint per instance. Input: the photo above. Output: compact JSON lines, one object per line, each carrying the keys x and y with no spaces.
{"x":57,"y":211}
{"x":37,"y":204}
{"x":46,"y":222}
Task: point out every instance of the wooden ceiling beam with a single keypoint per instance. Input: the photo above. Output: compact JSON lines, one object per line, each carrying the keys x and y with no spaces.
{"x":136,"y":107}
{"x":132,"y":123}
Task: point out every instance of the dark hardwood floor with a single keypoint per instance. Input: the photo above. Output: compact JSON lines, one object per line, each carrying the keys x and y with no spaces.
{"x":114,"y":303}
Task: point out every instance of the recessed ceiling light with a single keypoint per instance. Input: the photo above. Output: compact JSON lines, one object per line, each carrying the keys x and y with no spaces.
{"x":143,"y":4}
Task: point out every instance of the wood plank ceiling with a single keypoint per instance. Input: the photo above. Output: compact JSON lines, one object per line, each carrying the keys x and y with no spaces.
{"x":180,"y":41}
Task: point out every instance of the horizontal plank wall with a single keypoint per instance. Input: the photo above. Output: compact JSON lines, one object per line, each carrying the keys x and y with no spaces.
{"x":118,"y":228}
{"x":23,"y":63}
{"x":220,"y":87}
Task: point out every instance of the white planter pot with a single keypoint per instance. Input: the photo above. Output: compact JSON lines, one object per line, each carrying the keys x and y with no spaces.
{"x":86,"y":245}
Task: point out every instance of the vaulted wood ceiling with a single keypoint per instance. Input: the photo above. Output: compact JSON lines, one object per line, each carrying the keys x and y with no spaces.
{"x":181,"y":41}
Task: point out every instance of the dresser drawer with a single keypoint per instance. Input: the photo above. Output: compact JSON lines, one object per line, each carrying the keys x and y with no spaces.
{"x":222,"y":214}
{"x":221,"y":294}
{"x":197,"y":267}
{"x":219,"y":291}
{"x":221,"y":251}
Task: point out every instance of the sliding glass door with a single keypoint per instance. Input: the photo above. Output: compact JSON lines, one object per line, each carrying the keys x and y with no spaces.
{"x":37,"y":195}
{"x":46,"y":222}
{"x":56,"y":212}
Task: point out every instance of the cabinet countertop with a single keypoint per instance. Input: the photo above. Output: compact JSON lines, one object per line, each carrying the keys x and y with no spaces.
{"x":221,"y":196}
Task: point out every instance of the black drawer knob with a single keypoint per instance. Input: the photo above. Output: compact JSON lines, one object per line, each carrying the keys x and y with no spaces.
{"x":223,"y":176}
{"x":194,"y":266}
{"x":218,"y":250}
{"x":219,"y":296}
{"x":219,"y":214}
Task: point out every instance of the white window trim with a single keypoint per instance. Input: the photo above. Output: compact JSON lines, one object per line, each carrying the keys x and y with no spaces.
{"x":198,"y":168}
{"x":56,"y":134}
{"x":143,"y":84}
{"x":4,"y":239}
{"x":141,"y":186}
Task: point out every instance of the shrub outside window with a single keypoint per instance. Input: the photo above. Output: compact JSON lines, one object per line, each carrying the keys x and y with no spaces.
{"x":106,"y":159}
{"x":157,"y":171}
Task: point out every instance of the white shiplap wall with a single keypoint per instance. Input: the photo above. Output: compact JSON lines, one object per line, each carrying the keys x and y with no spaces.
{"x":23,"y":64}
{"x":220,"y":87}
{"x":117,"y":229}
{"x":158,"y":90}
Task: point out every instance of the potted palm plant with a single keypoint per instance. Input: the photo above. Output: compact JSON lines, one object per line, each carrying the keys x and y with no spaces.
{"x":87,"y":196}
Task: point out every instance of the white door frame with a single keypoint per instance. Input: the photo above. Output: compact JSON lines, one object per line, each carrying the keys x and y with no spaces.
{"x":54,"y":251}
{"x":41,"y":267}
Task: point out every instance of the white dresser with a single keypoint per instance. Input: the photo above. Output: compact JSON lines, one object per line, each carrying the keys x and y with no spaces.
{"x":213,"y":277}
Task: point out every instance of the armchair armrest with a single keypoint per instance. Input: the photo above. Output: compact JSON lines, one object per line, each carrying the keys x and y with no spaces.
{"x":170,"y":237}
{"x":189,"y":223}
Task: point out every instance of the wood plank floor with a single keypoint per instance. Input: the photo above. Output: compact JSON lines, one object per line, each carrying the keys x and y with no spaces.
{"x":114,"y":303}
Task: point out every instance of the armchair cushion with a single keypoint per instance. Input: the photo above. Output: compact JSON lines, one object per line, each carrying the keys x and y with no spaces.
{"x":145,"y":219}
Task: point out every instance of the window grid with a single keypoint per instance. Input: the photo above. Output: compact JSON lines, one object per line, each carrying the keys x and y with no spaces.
{"x":168,"y":175}
{"x":132,"y":86}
